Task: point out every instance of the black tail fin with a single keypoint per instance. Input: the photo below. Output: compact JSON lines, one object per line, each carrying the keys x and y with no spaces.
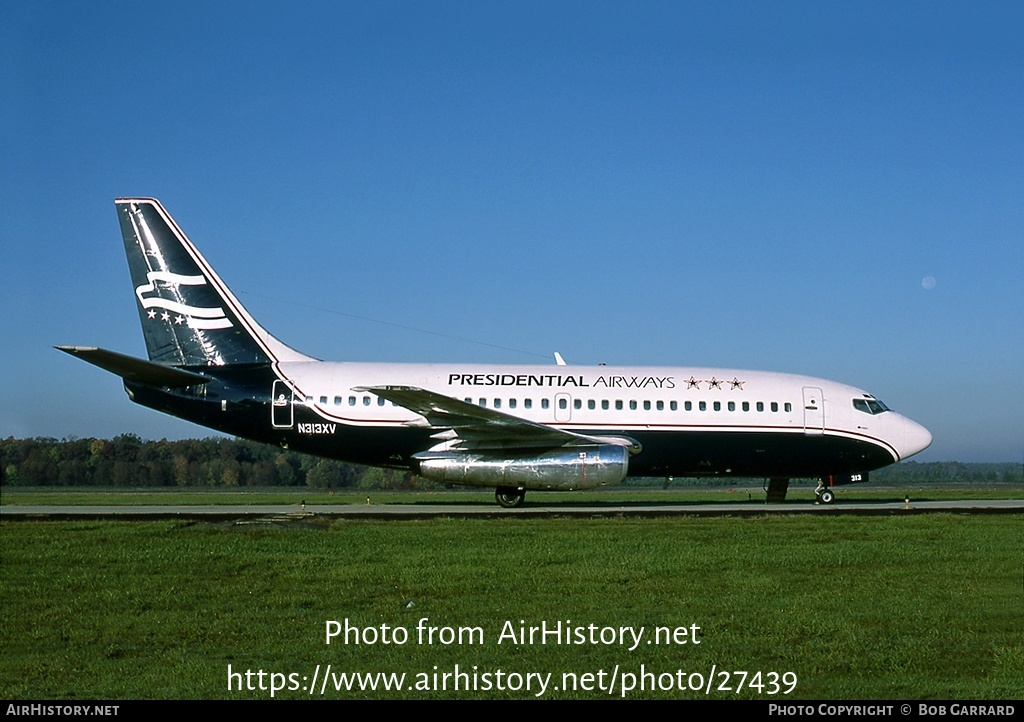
{"x":189,"y":317}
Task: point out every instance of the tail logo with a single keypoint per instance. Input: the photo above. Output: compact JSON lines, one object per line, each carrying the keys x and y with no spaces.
{"x":196,"y":316}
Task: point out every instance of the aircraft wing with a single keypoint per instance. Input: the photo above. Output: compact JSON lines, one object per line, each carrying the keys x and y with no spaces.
{"x":480,"y":427}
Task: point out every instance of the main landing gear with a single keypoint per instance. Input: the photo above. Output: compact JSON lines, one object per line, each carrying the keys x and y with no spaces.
{"x":509,"y":497}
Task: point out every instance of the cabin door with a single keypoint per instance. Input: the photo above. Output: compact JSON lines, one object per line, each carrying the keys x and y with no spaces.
{"x":282,"y":414}
{"x":814,"y":411}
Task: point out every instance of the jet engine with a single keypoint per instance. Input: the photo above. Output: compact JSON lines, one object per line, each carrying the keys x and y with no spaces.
{"x":566,"y":468}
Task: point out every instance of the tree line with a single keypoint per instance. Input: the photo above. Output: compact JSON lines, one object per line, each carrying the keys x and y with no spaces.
{"x":129,"y":461}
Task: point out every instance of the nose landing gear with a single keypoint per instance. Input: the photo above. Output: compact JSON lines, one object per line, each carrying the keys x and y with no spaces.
{"x":823,"y":494}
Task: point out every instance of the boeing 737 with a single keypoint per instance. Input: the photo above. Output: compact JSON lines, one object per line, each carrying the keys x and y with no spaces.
{"x":512,"y":428}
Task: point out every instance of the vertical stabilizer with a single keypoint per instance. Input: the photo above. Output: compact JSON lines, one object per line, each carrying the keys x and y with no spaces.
{"x":189,"y":317}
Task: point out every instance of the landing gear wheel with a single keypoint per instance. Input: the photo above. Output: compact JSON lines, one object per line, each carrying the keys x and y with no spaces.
{"x":826,"y":496}
{"x":509,"y":497}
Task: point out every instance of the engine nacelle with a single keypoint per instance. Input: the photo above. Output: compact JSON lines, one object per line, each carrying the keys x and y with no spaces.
{"x":579,"y":467}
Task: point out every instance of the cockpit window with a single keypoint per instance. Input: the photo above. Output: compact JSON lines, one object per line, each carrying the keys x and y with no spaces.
{"x":870,"y":405}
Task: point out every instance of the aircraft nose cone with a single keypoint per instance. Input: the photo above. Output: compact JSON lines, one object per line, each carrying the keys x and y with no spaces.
{"x":916,"y":438}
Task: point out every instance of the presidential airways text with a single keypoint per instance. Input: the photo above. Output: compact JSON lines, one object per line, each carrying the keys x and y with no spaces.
{"x":563,"y":381}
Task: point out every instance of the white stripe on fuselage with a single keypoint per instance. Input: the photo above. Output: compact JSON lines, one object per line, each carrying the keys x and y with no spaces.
{"x":640,"y":385}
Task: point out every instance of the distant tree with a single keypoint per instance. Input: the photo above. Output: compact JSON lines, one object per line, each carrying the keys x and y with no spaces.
{"x":323,"y":475}
{"x":286,"y":474}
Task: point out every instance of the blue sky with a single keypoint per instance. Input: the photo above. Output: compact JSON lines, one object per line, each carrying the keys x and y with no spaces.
{"x":836,"y":190}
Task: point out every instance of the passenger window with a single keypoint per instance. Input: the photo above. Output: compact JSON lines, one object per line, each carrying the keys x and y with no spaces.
{"x":511,"y":403}
{"x":545,"y":403}
{"x":689,"y":406}
{"x":647,"y":405}
{"x":775,"y":406}
{"x":760,"y":405}
{"x":563,"y":404}
{"x":528,"y":403}
{"x":732,"y":406}
{"x":323,"y":399}
{"x":618,"y":405}
{"x":673,"y":406}
{"x":337,"y":401}
{"x":577,"y":404}
{"x":703,"y":406}
{"x":591,"y":404}
{"x":482,"y":402}
{"x":604,"y":404}
{"x":351,"y":400}
{"x":366,"y":401}
{"x":661,"y":406}
{"x":381,"y":401}
{"x":788,"y":407}
{"x":497,"y":403}
{"x":632,"y":405}
{"x":746,"y":406}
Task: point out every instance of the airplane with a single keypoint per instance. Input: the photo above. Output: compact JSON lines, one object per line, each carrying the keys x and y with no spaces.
{"x":513,"y":428}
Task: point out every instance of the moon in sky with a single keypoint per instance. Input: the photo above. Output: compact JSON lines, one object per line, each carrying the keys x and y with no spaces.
{"x":928,"y":283}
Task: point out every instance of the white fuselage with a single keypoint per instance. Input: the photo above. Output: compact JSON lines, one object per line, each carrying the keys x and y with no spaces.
{"x":613,"y":400}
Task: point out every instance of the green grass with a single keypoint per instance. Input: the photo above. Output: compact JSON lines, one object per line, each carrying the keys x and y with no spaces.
{"x":14,"y":496}
{"x":857,"y":607}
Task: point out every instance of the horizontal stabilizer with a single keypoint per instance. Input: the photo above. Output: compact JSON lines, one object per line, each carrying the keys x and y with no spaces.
{"x":134,"y":369}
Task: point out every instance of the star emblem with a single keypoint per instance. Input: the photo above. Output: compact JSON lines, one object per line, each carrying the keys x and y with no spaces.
{"x":714,"y":383}
{"x":165,"y":316}
{"x":736,"y":384}
{"x":179,"y":320}
{"x":692,"y":383}
{"x":151,"y":313}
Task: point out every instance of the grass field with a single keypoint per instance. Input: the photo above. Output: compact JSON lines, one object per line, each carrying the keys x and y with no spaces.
{"x":921,"y":607}
{"x":15,"y":496}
